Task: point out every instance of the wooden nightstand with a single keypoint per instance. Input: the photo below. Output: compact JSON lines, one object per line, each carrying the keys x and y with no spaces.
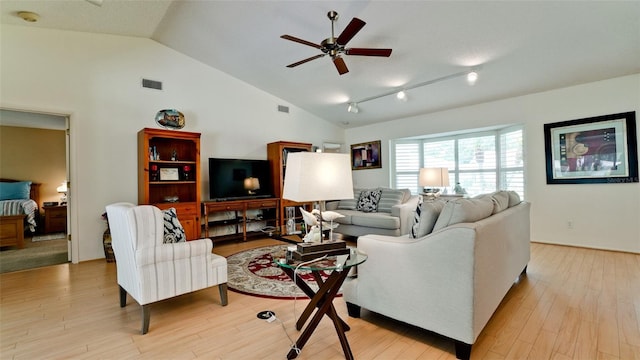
{"x":55,"y":219}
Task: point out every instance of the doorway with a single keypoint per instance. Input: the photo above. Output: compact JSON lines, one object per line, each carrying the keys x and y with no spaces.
{"x":35,"y":148}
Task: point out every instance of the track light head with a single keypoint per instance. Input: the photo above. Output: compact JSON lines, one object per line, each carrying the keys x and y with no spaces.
{"x":472,"y":77}
{"x":353,"y":108}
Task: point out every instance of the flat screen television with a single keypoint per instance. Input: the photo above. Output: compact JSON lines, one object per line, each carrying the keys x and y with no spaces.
{"x":234,"y":179}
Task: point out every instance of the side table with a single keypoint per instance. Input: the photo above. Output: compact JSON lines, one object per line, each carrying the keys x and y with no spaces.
{"x":323,"y":298}
{"x":55,"y":218}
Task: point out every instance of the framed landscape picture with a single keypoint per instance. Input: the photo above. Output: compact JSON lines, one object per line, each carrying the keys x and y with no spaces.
{"x":366,"y":155}
{"x":599,"y":149}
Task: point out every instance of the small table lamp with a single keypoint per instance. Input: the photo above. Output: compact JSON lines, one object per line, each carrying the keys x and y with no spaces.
{"x":251,"y":184}
{"x":435,"y":178}
{"x":62,"y":189}
{"x":317,"y":177}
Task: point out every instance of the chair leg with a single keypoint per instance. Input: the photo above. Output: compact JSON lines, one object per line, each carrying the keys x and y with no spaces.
{"x":224,"y":300}
{"x":146,"y":317}
{"x":123,"y":297}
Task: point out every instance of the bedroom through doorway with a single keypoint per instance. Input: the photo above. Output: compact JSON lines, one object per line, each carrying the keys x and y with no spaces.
{"x":35,"y":147}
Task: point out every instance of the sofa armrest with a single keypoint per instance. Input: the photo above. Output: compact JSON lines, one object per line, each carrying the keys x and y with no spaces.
{"x":173,"y":252}
{"x":405,"y":212}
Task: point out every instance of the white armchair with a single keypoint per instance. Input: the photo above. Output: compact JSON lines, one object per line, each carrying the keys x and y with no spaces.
{"x":150,"y":270}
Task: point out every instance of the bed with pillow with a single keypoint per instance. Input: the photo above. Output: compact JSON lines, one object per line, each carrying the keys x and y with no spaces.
{"x":18,"y":210}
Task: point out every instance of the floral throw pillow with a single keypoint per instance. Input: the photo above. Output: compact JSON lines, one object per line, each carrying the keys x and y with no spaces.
{"x":368,"y":201}
{"x":173,"y":230}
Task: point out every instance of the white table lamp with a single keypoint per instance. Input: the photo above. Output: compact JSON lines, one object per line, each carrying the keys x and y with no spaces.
{"x":434,"y":178}
{"x":317,"y":177}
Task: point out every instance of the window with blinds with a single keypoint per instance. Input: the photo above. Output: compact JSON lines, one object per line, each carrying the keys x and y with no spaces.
{"x":480,"y":162}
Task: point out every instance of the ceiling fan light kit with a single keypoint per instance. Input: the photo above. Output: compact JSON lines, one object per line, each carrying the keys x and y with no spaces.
{"x":335,"y":46}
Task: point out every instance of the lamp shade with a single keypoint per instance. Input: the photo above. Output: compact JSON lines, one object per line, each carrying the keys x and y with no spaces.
{"x":251,"y":183}
{"x":62,"y":188}
{"x":312,"y":176}
{"x":436,"y":177}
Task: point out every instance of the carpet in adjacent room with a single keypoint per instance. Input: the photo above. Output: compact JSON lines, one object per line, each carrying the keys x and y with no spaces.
{"x":34,"y":255}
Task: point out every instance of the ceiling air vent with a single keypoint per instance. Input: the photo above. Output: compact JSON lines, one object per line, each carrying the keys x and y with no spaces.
{"x":152,"y":84}
{"x":284,"y":109}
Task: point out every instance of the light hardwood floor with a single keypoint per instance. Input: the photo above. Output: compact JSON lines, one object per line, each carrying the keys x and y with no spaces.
{"x":573,"y":304}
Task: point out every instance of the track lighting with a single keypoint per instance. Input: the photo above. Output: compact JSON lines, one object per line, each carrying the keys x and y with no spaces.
{"x":471,"y":74}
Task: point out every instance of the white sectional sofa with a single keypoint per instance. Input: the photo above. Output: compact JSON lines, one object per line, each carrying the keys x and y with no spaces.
{"x":390,"y":216}
{"x":451,"y":279}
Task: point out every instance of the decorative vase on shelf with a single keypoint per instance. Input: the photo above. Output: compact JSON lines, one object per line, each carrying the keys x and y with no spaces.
{"x":108,"y":249}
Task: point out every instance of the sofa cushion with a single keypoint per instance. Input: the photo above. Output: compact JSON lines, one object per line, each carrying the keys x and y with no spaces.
{"x":499,"y":198}
{"x":500,"y":201}
{"x":514,"y":198}
{"x":426,"y":215}
{"x":348,"y":214}
{"x":368,"y":201}
{"x":173,"y":230}
{"x":464,"y":210}
{"x":350,"y":204}
{"x":375,"y":220}
{"x":389,"y":198}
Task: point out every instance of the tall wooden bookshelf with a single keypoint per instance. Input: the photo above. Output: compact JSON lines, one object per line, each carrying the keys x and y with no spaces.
{"x":169,"y":167}
{"x":277,"y":155}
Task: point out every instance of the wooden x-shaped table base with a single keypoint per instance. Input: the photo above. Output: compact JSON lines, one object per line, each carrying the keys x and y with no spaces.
{"x":323,"y":300}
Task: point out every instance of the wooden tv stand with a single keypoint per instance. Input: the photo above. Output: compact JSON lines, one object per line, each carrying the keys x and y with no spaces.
{"x":240,"y":207}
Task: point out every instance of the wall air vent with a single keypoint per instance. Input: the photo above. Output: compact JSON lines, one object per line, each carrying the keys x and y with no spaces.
{"x":284,"y":109}
{"x":152,"y":84}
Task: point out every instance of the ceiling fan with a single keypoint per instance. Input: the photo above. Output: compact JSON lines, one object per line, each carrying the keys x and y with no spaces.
{"x":335,"y":46}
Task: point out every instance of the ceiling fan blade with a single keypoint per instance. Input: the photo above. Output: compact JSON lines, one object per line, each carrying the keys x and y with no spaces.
{"x":305,"y":60}
{"x":340,"y":65}
{"x":300,"y":41}
{"x":350,"y":31}
{"x":368,"y":52}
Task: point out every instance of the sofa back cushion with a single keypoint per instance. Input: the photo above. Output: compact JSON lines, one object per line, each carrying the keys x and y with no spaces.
{"x":514,"y":198}
{"x":464,"y":210}
{"x":502,"y":199}
{"x":350,"y":204}
{"x":389,"y":198}
{"x":425,"y":217}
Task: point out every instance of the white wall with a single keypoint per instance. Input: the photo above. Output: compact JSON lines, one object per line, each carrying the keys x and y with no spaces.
{"x":605,"y":216}
{"x":96,"y":80}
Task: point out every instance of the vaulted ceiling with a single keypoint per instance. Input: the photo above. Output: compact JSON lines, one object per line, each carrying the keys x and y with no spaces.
{"x":520,"y":47}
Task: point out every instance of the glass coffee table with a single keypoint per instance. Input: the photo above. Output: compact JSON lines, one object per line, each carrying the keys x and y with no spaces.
{"x":323,"y":298}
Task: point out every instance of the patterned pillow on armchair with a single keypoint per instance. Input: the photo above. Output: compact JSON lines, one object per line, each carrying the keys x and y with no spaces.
{"x":173,"y":230}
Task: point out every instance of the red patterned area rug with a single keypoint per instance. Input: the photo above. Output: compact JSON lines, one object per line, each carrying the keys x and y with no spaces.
{"x":253,"y":272}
